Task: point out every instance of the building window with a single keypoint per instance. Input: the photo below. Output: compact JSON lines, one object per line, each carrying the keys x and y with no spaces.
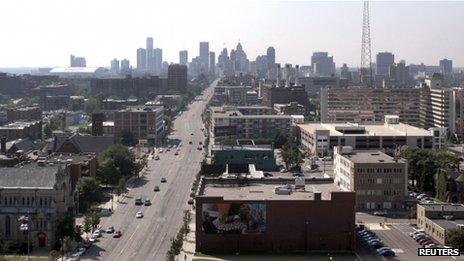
{"x":7,"y":226}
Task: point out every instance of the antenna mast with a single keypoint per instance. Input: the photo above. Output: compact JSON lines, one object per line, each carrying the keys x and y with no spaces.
{"x":366,"y":61}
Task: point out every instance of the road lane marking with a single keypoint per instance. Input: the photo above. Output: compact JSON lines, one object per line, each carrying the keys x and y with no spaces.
{"x":129,"y":240}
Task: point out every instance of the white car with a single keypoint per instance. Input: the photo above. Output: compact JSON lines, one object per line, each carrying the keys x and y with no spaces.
{"x":97,"y":233}
{"x":93,"y":239}
{"x":160,"y":151}
{"x":139,"y":214}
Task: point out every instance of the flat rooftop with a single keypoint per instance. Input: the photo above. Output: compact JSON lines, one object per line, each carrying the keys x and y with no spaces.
{"x":243,"y":147}
{"x":449,"y":224}
{"x":338,"y":129}
{"x":443,"y":207}
{"x":370,"y":157}
{"x":265,"y":189}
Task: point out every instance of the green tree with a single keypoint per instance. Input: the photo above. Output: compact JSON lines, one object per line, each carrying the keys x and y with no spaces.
{"x":121,"y":188}
{"x":54,"y":255}
{"x":116,"y":161}
{"x":66,"y":226}
{"x":291,"y":155}
{"x":94,"y":218}
{"x":168,"y":123}
{"x":128,"y":139}
{"x":56,"y":123}
{"x":89,"y":192}
{"x":280,"y":140}
{"x":48,"y":131}
{"x":68,"y":245}
{"x":441,"y":185}
{"x":87,"y":226}
{"x":455,"y":238}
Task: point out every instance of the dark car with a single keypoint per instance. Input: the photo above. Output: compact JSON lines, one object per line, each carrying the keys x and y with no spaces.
{"x":117,"y":234}
{"x":147,"y":202}
{"x":267,"y":174}
{"x":157,"y":188}
{"x":138,"y":201}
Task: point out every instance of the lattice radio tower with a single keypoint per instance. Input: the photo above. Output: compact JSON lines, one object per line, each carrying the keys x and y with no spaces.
{"x":366,"y":62}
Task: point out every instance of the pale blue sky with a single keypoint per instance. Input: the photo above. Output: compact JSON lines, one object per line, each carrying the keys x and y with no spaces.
{"x":45,"y":32}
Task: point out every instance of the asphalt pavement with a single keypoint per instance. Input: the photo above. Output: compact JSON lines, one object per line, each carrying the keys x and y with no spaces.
{"x":149,"y":238}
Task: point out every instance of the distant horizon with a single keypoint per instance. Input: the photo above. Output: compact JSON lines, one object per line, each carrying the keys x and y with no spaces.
{"x":295,"y":29}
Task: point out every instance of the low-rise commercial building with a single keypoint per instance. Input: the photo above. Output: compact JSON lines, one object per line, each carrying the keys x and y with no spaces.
{"x":143,"y":122}
{"x":235,"y":215}
{"x":24,"y":114}
{"x":292,"y":108}
{"x":321,"y":138}
{"x":380,"y":181}
{"x":230,"y":123}
{"x":22,"y":129}
{"x":262,"y":156}
{"x":437,"y":219}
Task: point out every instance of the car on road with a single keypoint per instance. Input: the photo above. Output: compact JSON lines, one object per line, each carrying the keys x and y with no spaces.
{"x":190,"y":142}
{"x":157,"y":188}
{"x":201,"y":143}
{"x":177,"y":153}
{"x":168,"y":149}
{"x":283,"y":170}
{"x":139,"y":214}
{"x":110,"y":230}
{"x":267,"y":174}
{"x":160,"y":151}
{"x":156,"y":157}
{"x":138,"y":201}
{"x":163,"y":180}
{"x":199,"y":148}
{"x":298,"y":174}
{"x":190,"y":201}
{"x":147,"y":202}
{"x":117,"y":234}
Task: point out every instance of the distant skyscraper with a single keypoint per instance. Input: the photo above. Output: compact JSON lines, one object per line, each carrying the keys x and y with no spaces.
{"x":158,"y":58}
{"x":183,"y":57}
{"x":446,"y":66}
{"x":383,"y":61}
{"x":77,"y":61}
{"x":212,"y":63}
{"x":322,"y":64}
{"x":204,"y":56}
{"x":125,"y":66}
{"x":150,"y":55}
{"x":114,"y":66}
{"x":141,"y":59}
{"x":271,"y":67}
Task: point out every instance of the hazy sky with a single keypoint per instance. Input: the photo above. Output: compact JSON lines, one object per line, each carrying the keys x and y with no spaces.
{"x":46,"y":32}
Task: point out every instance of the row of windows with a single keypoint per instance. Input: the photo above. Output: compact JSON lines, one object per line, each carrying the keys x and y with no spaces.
{"x":26,"y":201}
{"x":379,"y":170}
{"x":378,"y":192}
{"x":379,"y":181}
{"x":34,"y":224}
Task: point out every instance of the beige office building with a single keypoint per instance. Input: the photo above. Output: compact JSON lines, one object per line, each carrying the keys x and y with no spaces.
{"x":380,"y":181}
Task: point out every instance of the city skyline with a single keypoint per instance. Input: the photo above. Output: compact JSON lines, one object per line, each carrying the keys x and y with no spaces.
{"x":315,"y":26}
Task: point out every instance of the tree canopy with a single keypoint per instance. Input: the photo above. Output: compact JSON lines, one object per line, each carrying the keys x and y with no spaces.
{"x":455,"y":238}
{"x":114,"y":163}
{"x":291,"y":155}
{"x":89,"y":193}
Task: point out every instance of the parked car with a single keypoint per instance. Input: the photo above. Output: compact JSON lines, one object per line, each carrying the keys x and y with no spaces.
{"x":147,"y":202}
{"x":97,"y":233}
{"x":93,"y":239}
{"x":380,"y":213}
{"x":157,"y":188}
{"x":176,"y":153}
{"x":139,"y":214}
{"x":163,"y":180}
{"x":110,"y":230}
{"x":117,"y":234}
{"x":431,"y":245}
{"x":157,"y":157}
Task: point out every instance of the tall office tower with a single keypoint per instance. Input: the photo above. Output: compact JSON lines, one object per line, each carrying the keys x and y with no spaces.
{"x":125,"y":66}
{"x":114,"y":66}
{"x":446,"y":66}
{"x":177,"y":77}
{"x":204,"y":56}
{"x":150,"y":55}
{"x":77,"y":61}
{"x":183,"y":57}
{"x":212,"y":63}
{"x":271,"y":67}
{"x":141,"y":60}
{"x":322,"y":64}
{"x":158,"y":59}
{"x":384,"y":60}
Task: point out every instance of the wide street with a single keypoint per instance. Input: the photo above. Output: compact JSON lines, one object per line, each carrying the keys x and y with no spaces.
{"x":148,"y":238}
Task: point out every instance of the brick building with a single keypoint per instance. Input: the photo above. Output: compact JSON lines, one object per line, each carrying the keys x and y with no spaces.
{"x":268,"y":215}
{"x":143,"y":122}
{"x":24,"y":114}
{"x":22,"y":129}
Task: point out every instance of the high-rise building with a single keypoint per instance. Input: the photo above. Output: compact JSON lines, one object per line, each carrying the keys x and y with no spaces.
{"x":125,"y":66}
{"x":183,"y":57}
{"x":158,"y":59}
{"x":383,"y":61}
{"x":212,"y":62}
{"x":77,"y":61}
{"x":446,"y":66}
{"x":150,"y":55}
{"x":322,"y":64}
{"x":177,"y":77}
{"x":204,"y":56}
{"x":271,"y":67}
{"x":114,"y":66}
{"x":141,"y":59}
